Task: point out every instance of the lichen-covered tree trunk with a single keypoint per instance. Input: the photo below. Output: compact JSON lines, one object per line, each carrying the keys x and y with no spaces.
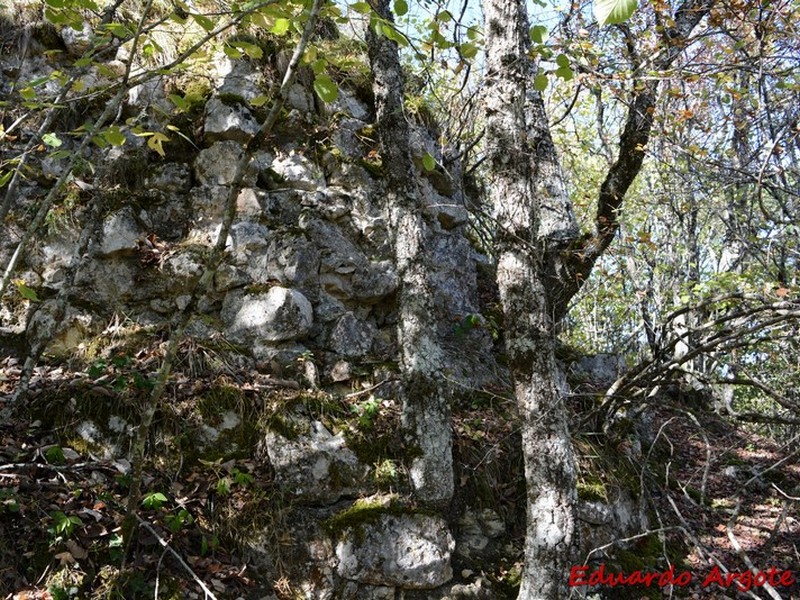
{"x":426,"y":409}
{"x":532,"y":210}
{"x":544,"y":259}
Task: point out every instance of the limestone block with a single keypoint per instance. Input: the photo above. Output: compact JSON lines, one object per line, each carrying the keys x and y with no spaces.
{"x":228,"y":122}
{"x":315,"y":465}
{"x":121,"y":233}
{"x":277,"y":315}
{"x":216,"y":165}
{"x":351,"y":336}
{"x":297,"y":172}
{"x":411,"y":551}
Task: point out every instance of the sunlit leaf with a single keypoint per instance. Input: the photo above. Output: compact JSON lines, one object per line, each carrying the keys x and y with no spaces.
{"x":251,"y":50}
{"x":179,"y":101}
{"x":114,"y":136}
{"x":204,"y":22}
{"x":232,"y":52}
{"x":259,"y":101}
{"x":400,"y":7}
{"x":281,"y":27}
{"x":361,"y":7}
{"x":608,"y":12}
{"x":468,"y":50}
{"x":565,"y":73}
{"x":540,"y":82}
{"x":310,"y":55}
{"x":155,"y":143}
{"x":25,"y":291}
{"x":326,"y":88}
{"x":428,"y":162}
{"x":319,"y":66}
{"x":51,"y":139}
{"x":538,"y":34}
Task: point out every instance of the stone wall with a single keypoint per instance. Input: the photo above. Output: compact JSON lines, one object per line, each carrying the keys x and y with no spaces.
{"x":307,"y":279}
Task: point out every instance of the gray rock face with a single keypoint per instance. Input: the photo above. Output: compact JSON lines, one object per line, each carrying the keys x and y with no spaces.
{"x":171,"y":177}
{"x":292,"y":260}
{"x":316,"y":466}
{"x":216,"y":165}
{"x":352,"y":337}
{"x":603,"y":522}
{"x":237,"y":79}
{"x":120,"y":232}
{"x":299,"y":98}
{"x":228,"y":122}
{"x":297,"y":172}
{"x":600,"y":370}
{"x":410,"y":551}
{"x":77,"y":41}
{"x":476,"y":531}
{"x":277,"y":315}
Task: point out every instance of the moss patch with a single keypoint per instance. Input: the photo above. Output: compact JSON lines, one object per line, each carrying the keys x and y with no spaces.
{"x":364,"y":511}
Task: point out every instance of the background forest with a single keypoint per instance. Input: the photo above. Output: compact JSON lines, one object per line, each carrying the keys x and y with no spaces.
{"x":398,"y":299}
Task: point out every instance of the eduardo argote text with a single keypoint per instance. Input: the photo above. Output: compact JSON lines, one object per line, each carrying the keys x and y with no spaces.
{"x":742,"y":581}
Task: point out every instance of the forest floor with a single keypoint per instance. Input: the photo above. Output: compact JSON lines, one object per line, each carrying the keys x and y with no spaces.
{"x":733,"y":493}
{"x":722,"y":494}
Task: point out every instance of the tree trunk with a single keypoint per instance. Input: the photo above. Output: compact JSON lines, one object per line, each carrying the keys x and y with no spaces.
{"x":532,"y":211}
{"x":426,"y":408}
{"x":543,"y":259}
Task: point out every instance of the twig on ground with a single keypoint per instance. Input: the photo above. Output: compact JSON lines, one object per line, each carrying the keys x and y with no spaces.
{"x":178,"y":557}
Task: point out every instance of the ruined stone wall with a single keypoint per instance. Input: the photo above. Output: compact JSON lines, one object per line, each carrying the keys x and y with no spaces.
{"x":306,"y":292}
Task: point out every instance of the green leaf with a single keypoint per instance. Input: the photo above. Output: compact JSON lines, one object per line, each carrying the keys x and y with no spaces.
{"x":540,"y":82}
{"x":565,"y":73}
{"x":361,"y":7}
{"x":5,"y":177}
{"x":428,"y":162}
{"x":538,"y":33}
{"x":224,"y":486}
{"x":468,"y":50}
{"x":319,"y":66}
{"x":310,"y":55}
{"x":390,"y":33}
{"x":232,"y":52}
{"x":179,"y":101}
{"x":204,"y":22}
{"x":252,"y":50}
{"x":154,"y":500}
{"x":281,"y":27}
{"x":119,"y":30}
{"x":114,"y":136}
{"x":609,"y":12}
{"x":325,"y":87}
{"x":51,"y":139}
{"x":562,"y":60}
{"x":28,"y":294}
{"x":27,"y":93}
{"x":400,"y":7}
{"x":55,"y":456}
{"x":259,"y":101}
{"x":54,"y":16}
